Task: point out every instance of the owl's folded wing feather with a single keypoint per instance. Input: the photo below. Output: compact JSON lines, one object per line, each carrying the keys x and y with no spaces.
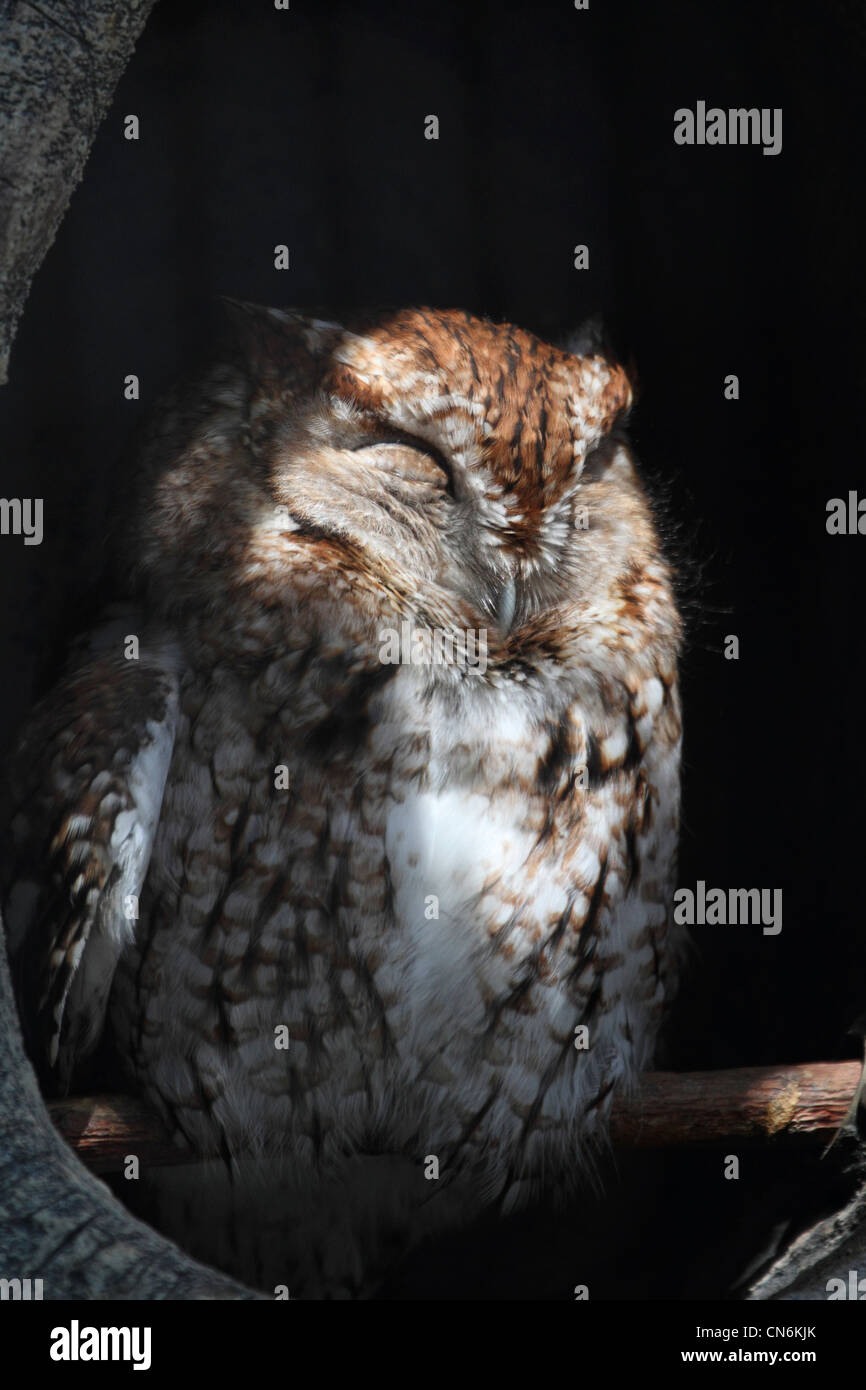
{"x":86,"y":788}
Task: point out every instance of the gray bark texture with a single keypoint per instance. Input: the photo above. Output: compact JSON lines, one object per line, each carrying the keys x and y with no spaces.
{"x":59,"y":1223}
{"x":831,"y":1249}
{"x":59,"y":65}
{"x":60,"y":62}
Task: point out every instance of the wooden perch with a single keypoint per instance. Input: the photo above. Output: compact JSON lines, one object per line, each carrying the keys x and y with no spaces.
{"x":675,"y":1109}
{"x":667,"y":1110}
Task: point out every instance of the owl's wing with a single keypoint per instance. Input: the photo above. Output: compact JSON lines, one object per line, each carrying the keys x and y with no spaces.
{"x":85,"y":793}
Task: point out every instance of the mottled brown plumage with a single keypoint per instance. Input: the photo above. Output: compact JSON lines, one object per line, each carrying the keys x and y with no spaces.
{"x":469,"y":863}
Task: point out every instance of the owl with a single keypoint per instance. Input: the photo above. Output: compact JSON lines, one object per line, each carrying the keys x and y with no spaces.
{"x":352,"y":835}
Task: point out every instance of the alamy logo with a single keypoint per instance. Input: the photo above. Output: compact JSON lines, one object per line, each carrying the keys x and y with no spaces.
{"x":846,"y":518}
{"x":75,"y":1343}
{"x":737,"y":126}
{"x":20,"y":1289}
{"x":22,"y":516}
{"x":734,"y":907}
{"x":855,"y":1289}
{"x":420,"y":646}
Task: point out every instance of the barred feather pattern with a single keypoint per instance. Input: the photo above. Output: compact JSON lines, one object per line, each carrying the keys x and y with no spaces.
{"x":446,"y":886}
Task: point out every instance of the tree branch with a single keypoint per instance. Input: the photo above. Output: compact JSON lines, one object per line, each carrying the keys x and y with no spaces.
{"x":667,"y":1109}
{"x":747,"y":1104}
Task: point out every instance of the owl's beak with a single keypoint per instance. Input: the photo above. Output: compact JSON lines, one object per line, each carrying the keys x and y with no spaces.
{"x":505,"y":605}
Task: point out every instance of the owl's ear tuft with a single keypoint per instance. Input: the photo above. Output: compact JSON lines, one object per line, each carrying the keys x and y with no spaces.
{"x":243,"y":313}
{"x":271,"y":340}
{"x":588,"y":340}
{"x":593,"y":339}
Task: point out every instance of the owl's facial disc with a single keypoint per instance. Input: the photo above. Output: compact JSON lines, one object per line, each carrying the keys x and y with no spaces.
{"x":451,"y":449}
{"x":426,"y":466}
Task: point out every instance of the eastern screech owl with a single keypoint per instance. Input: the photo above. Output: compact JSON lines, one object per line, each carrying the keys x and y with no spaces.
{"x":443,"y":881}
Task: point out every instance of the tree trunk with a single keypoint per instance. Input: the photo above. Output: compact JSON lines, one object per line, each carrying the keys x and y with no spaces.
{"x":59,"y":66}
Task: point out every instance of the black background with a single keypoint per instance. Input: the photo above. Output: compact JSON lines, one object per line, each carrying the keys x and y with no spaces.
{"x":306,"y":127}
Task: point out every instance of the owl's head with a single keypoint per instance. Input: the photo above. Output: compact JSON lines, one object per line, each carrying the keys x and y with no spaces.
{"x":422,"y":464}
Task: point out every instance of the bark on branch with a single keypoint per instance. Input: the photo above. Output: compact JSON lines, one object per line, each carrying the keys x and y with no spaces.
{"x":749,"y":1103}
{"x":668,"y":1109}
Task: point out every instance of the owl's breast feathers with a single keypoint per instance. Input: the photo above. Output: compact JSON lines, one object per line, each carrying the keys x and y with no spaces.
{"x":460,"y":919}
